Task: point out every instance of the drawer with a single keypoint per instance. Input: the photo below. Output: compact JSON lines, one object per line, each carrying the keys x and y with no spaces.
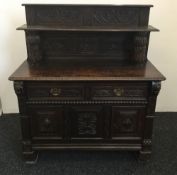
{"x":54,"y":91}
{"x":117,"y":91}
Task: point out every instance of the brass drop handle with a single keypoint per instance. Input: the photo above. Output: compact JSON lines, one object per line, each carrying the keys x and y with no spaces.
{"x":55,"y":92}
{"x":118,"y":92}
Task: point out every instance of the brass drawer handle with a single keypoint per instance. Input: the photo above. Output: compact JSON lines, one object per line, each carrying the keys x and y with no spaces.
{"x":118,"y":92}
{"x":55,"y":91}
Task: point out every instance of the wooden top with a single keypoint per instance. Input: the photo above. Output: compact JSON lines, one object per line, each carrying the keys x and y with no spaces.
{"x":126,"y":5}
{"x":87,"y":28}
{"x":68,"y":70}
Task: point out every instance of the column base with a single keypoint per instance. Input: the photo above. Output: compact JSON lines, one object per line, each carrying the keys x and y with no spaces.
{"x":30,"y":157}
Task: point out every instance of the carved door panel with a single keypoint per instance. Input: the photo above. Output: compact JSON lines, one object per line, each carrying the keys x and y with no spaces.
{"x":127,"y":122}
{"x":87,"y":123}
{"x":46,"y":123}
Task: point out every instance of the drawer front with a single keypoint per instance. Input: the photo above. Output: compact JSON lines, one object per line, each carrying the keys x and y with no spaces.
{"x":46,"y":123}
{"x":55,"y":91}
{"x":127,"y":122}
{"x":119,"y":91}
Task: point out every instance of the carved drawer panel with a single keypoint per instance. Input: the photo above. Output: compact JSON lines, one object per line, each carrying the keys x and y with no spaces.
{"x":117,"y":91}
{"x":87,"y":123}
{"x":55,"y":91}
{"x":127,"y":121}
{"x":46,"y":122}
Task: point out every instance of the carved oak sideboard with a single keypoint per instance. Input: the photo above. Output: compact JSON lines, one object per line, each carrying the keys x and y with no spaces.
{"x":87,"y":83}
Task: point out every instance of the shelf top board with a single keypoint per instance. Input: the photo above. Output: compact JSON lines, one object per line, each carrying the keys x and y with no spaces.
{"x":87,"y":29}
{"x":100,"y":5}
{"x":68,"y":70}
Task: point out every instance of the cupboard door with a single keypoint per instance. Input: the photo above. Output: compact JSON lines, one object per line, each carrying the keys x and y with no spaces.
{"x":46,"y":123}
{"x":127,"y":122}
{"x":87,"y":123}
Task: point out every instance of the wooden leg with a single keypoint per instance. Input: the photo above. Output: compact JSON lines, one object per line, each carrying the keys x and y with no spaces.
{"x":144,"y":155}
{"x":30,"y":157}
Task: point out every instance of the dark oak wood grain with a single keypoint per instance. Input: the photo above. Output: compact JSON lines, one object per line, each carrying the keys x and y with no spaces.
{"x":73,"y":70}
{"x":87,"y":83}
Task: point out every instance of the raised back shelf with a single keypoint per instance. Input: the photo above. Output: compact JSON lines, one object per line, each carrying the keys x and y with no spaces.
{"x":87,"y":31}
{"x":92,"y":15}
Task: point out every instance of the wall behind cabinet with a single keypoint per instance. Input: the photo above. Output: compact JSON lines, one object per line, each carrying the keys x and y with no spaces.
{"x":162,"y":48}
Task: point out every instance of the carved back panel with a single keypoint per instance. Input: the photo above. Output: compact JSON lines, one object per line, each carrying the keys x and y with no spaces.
{"x":92,"y":15}
{"x":58,"y":45}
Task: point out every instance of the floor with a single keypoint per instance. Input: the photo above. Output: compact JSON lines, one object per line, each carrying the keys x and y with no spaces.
{"x":163,"y":161}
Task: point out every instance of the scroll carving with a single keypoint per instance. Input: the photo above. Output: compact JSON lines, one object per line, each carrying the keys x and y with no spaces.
{"x":18,"y":87}
{"x":33,"y":47}
{"x":140,"y":47}
{"x":156,"y":86}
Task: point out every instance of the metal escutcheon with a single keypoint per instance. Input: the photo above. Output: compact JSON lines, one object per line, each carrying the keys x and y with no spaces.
{"x":118,"y":91}
{"x":55,"y":91}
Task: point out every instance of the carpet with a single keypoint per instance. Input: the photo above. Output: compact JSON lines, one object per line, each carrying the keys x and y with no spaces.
{"x":163,"y":161}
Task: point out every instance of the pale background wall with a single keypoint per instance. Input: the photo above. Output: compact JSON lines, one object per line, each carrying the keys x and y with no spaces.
{"x":162,"y":49}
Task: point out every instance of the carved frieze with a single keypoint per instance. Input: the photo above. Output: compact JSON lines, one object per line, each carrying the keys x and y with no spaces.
{"x":87,"y":102}
{"x":117,"y":16}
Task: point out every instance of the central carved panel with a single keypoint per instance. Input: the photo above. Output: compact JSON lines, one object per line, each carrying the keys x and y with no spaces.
{"x":87,"y":123}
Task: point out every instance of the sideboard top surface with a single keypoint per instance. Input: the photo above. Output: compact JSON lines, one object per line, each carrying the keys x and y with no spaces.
{"x":100,"y":5}
{"x":67,"y":70}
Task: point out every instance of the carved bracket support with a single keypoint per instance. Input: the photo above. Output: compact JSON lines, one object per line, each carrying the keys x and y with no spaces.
{"x":19,"y":90}
{"x":156,"y":86}
{"x":33,"y":41}
{"x":140,"y":47}
{"x":18,"y":87}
